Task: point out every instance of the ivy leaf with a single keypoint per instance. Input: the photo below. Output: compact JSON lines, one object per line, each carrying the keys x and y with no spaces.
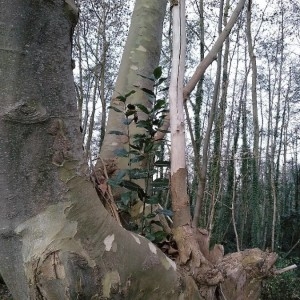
{"x":126,"y":197}
{"x":144,"y":124}
{"x":120,"y":175}
{"x":159,"y":104}
{"x":148,"y":146}
{"x":121,"y":98}
{"x":146,"y":77}
{"x":164,"y":89}
{"x":136,"y":147}
{"x":143,"y":108}
{"x":157,"y":72}
{"x":148,"y":91}
{"x":129,"y":94}
{"x":138,"y":173}
{"x":150,"y":237}
{"x":132,"y":186}
{"x":137,"y":158}
{"x":153,"y":199}
{"x":115,"y":109}
{"x":113,"y":183}
{"x":160,"y":236}
{"x":121,"y":152}
{"x":162,"y":163}
{"x":160,"y":81}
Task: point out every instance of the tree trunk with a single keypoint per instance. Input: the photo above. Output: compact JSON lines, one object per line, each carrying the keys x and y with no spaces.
{"x":140,"y":57}
{"x":206,"y":139}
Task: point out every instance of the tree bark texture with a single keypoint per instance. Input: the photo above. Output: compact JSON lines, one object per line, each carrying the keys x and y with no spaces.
{"x":140,"y":57}
{"x":180,"y":201}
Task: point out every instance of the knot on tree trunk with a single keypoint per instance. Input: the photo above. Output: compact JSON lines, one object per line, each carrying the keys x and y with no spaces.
{"x":243,"y":273}
{"x":195,"y":256}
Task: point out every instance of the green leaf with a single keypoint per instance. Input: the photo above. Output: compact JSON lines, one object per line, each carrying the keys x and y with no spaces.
{"x":116,"y":132}
{"x":160,"y":81}
{"x":162,"y":163}
{"x":139,"y":173}
{"x":115,"y":109}
{"x":132,"y":186}
{"x":143,"y":108}
{"x":130,"y":93}
{"x":121,"y":152}
{"x":113,"y":183}
{"x":134,"y":152}
{"x":157,"y":72}
{"x":120,"y":175}
{"x":146,"y":77}
{"x":144,"y":124}
{"x":164,"y":111}
{"x":136,"y":147}
{"x":164,"y":89}
{"x":126,"y":197}
{"x":121,"y":98}
{"x":160,"y":103}
{"x":140,"y":136}
{"x":153,"y":199}
{"x":160,"y":236}
{"x":148,"y":146}
{"x":150,"y":237}
{"x":148,"y":91}
{"x":137,"y":158}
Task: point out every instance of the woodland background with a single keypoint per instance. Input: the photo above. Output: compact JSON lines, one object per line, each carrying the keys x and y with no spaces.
{"x":252,"y":191}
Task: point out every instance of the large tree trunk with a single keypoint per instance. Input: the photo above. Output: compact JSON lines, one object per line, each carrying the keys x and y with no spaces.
{"x":57,"y":241}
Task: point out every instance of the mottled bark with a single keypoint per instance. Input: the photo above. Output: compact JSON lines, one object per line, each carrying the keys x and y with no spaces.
{"x":56,"y":239}
{"x":140,"y":57}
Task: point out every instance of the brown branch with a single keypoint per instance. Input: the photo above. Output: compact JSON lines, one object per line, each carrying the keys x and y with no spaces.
{"x":286,"y":269}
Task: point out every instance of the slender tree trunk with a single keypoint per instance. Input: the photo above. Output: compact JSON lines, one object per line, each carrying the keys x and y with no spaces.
{"x":179,"y":195}
{"x":256,"y":239}
{"x":206,"y":140}
{"x":217,"y":156}
{"x":197,"y":107}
